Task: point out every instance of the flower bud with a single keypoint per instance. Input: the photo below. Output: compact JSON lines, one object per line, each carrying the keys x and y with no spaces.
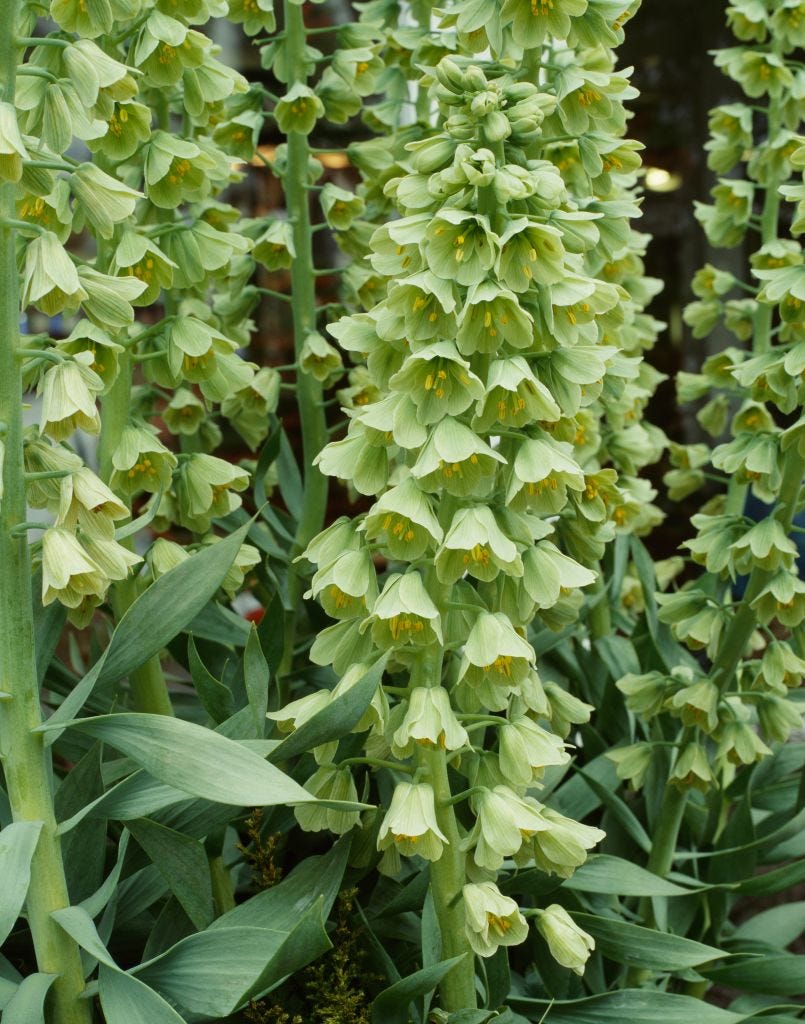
{"x":570,"y":946}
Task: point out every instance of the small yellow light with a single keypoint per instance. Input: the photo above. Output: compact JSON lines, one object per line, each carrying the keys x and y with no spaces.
{"x":658,"y":179}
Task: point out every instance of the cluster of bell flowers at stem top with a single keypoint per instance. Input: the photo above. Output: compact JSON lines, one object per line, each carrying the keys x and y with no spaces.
{"x":141,"y":100}
{"x":501,"y":446}
{"x":745,"y":609}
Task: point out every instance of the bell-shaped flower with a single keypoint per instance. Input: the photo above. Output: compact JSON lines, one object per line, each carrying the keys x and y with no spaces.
{"x":491,"y":919}
{"x":340,"y":207}
{"x":495,"y":659}
{"x":137,"y":256}
{"x":319,"y":358}
{"x":68,"y":391}
{"x":781,"y":669}
{"x":87,"y":21}
{"x":531,"y":252}
{"x":376,"y":715}
{"x":50,"y":280}
{"x":514,"y":397}
{"x":429,"y":722}
{"x":492,"y":316}
{"x":114,"y":560}
{"x":249,"y":408}
{"x":141,"y":462}
{"x":298,"y":110}
{"x":356,"y":459}
{"x":329,"y":782}
{"x":504,"y":822}
{"x":205,"y":488}
{"x":525,"y":749}
{"x":51,"y":211}
{"x":455,"y":459}
{"x":43,"y":457}
{"x":778,"y":717}
{"x":562,"y":845}
{"x":425,"y":303}
{"x":692,"y":769}
{"x":164,"y":555}
{"x":632,"y":762}
{"x":128,"y":127}
{"x":103,"y":200}
{"x":86,"y":502}
{"x":194,"y":348}
{"x":69,"y":575}
{"x":405,"y":613}
{"x":254,"y":15}
{"x":697,"y":705}
{"x":783,"y":598}
{"x":476,"y":545}
{"x":739,"y":743}
{"x":88,"y":337}
{"x":12,"y":148}
{"x":461,"y":246}
{"x":342,"y":645}
{"x":165,"y":47}
{"x":339,"y":537}
{"x":176,"y":171}
{"x":565,"y":708}
{"x":549,"y":574}
{"x":346,"y":587}
{"x":645,"y":694}
{"x":403,"y":520}
{"x":184,"y":413}
{"x":394,"y":417}
{"x":765,"y":545}
{"x":108,"y":299}
{"x":570,"y":945}
{"x":410,"y":823}
{"x":540,"y":475}
{"x":245,"y":560}
{"x":438,"y":381}
{"x":274,"y":249}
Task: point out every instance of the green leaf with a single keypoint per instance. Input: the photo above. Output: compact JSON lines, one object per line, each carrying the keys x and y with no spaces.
{"x":214,"y":972}
{"x":635,"y":946}
{"x":289,"y":477}
{"x":80,"y":926}
{"x":17,"y":845}
{"x":622,"y":813}
{"x":779,"y":925}
{"x":215,"y":698}
{"x":48,"y":625}
{"x":255,"y":678}
{"x":336,"y":719}
{"x":136,"y":796}
{"x":154,"y":619}
{"x":773,"y":881}
{"x":672,"y":653}
{"x":183,"y":864}
{"x":193,"y":759}
{"x":27,"y":1005}
{"x":618,"y":877}
{"x":782,"y":975}
{"x":391,"y":1006}
{"x":126,"y":1000}
{"x":630,"y":1006}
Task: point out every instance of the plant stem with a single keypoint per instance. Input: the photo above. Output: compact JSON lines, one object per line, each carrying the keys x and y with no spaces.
{"x":303,"y":307}
{"x":26,"y":764}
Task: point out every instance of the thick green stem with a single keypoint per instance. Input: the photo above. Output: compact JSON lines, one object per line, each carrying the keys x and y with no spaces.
{"x":303,"y":307}
{"x":26,"y":762}
{"x":663,"y":845}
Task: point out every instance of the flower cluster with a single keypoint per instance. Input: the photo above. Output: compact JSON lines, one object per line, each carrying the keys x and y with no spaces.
{"x":499,"y":437}
{"x":752,"y":639}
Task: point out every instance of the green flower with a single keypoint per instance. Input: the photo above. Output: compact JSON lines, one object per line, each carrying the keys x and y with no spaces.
{"x":12,"y":148}
{"x":491,"y":317}
{"x":562,"y":845}
{"x":165,"y":47}
{"x":128,"y":126}
{"x":88,"y":337}
{"x":757,"y":73}
{"x":504,"y":820}
{"x":359,"y":67}
{"x":329,"y":782}
{"x":319,"y":358}
{"x":692,"y":769}
{"x":137,"y":256}
{"x":491,"y":919}
{"x":141,"y":462}
{"x":531,"y":252}
{"x":461,"y":246}
{"x":410,"y":823}
{"x":184,"y":413}
{"x":249,"y":408}
{"x":526,"y":749}
{"x":175,"y":171}
{"x":425,"y":303}
{"x":340,"y":207}
{"x":697,"y":705}
{"x":404,"y":521}
{"x":86,"y":19}
{"x":475,"y":544}
{"x":51,"y":211}
{"x":645,"y":694}
{"x":254,"y":15}
{"x":632,"y":763}
{"x":570,"y":945}
{"x":356,"y":459}
{"x":346,"y":587}
{"x":113,"y":560}
{"x":87,"y":503}
{"x":457,"y":460}
{"x":69,"y":391}
{"x":532,"y":21}
{"x":50,"y":280}
{"x":778,"y":717}
{"x":405,"y":613}
{"x":429,"y":721}
{"x":438,"y":381}
{"x":765,"y":545}
{"x":514,"y":397}
{"x":739,"y":744}
{"x":108,"y":299}
{"x":781,"y":669}
{"x":339,"y":98}
{"x":195,"y":349}
{"x":540,"y":475}
{"x":783,"y":598}
{"x":69,"y":575}
{"x":204,"y":490}
{"x":275,"y":247}
{"x":42,"y":456}
{"x":298,"y":110}
{"x":549,"y":574}
{"x":495,"y":660}
{"x":164,"y":555}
